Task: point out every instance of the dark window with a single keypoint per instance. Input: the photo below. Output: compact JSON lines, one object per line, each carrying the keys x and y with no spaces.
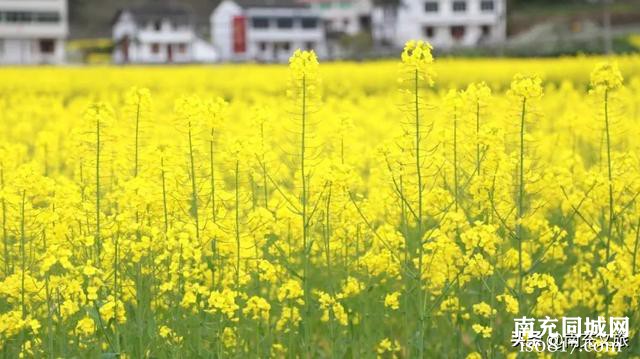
{"x":23,"y":16}
{"x":457,"y":32}
{"x":431,"y":6}
{"x":260,"y":22}
{"x":309,"y":45}
{"x":459,"y":6}
{"x":157,"y":25}
{"x":284,"y":23}
{"x":429,"y":31}
{"x":155,"y":48}
{"x":262,"y":45}
{"x":345,"y":22}
{"x":47,"y":17}
{"x":487,"y":5}
{"x":18,"y":16}
{"x":286,"y":46}
{"x":47,"y":46}
{"x":182,"y":48}
{"x":486,"y":30}
{"x":309,"y":22}
{"x":365,"y":22}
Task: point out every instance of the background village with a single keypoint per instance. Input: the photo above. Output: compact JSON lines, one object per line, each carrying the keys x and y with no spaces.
{"x":210,"y":31}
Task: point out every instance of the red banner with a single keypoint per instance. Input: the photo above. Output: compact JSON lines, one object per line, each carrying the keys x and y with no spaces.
{"x":239,"y":34}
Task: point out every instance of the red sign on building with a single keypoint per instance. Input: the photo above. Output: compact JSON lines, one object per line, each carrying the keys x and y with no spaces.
{"x":239,"y":34}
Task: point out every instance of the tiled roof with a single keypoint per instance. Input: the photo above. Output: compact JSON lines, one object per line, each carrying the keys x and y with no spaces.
{"x":155,"y":11}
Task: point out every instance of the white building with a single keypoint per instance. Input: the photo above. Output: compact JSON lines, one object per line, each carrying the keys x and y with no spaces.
{"x":451,"y":23}
{"x":265,"y":30}
{"x":158,"y":33}
{"x":33,"y":31}
{"x":343,"y":20}
{"x":348,"y":17}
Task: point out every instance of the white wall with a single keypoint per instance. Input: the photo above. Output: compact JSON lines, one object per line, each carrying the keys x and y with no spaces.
{"x":27,"y":51}
{"x":204,"y":51}
{"x":412,"y":19}
{"x":143,"y":39}
{"x":20,"y":41}
{"x":222,"y":28}
{"x":272,"y":37}
{"x":52,"y":30}
{"x":336,"y":14}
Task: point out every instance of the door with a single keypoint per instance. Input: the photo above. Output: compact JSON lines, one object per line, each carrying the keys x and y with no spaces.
{"x":125,"y":48}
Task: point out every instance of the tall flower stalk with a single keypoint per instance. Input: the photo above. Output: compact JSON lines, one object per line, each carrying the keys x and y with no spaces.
{"x":417,"y":75}
{"x":215,"y":113}
{"x":522,"y":89}
{"x":605,"y":79}
{"x":303,"y":69}
{"x":190,"y":113}
{"x":454,"y":104}
{"x":476,"y":97}
{"x":98,"y":116}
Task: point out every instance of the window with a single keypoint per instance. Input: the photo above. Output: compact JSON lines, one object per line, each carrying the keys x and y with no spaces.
{"x":428,"y":31}
{"x":1,"y":47}
{"x":18,"y":16}
{"x":487,"y":5}
{"x":284,"y":23}
{"x":23,"y":16}
{"x":157,"y":25}
{"x":345,"y":22}
{"x":155,"y":48}
{"x":47,"y":17}
{"x":262,"y":46}
{"x":457,"y":32}
{"x":486,"y":30}
{"x":459,"y":6}
{"x":431,"y":6}
{"x":260,"y":22}
{"x":365,"y":22}
{"x":182,"y":48}
{"x":310,"y":45}
{"x":309,"y":22}
{"x":47,"y":46}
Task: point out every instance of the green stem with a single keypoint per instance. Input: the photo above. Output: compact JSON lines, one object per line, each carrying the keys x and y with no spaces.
{"x":115,"y":294}
{"x":164,"y":196}
{"x":213,"y":183}
{"x":521,"y":197}
{"x":23,"y":260}
{"x":137,"y":139}
{"x":610,"y":174}
{"x":455,"y":158}
{"x":421,"y":318}
{"x":98,"y":144}
{"x":478,"y":137}
{"x":5,"y":237}
{"x":635,"y":248}
{"x":307,"y":252}
{"x":264,"y":169}
{"x":194,"y":192}
{"x":237,"y":223}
